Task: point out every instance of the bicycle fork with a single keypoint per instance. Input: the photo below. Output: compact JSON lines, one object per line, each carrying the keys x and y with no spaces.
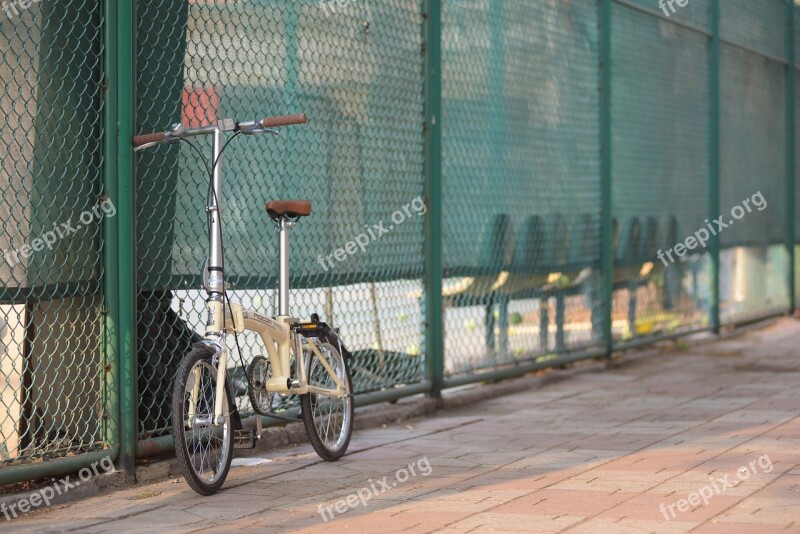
{"x":220,"y":357}
{"x":222,"y":366}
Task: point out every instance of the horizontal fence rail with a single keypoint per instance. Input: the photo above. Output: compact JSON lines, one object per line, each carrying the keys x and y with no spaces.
{"x":498,"y":188}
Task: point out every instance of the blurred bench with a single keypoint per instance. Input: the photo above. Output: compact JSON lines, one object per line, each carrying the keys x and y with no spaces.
{"x":550,"y":258}
{"x":636,"y":261}
{"x":479,"y":284}
{"x":554,"y":262}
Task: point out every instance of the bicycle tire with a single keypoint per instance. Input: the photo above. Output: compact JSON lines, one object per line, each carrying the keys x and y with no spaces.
{"x":309,"y":404}
{"x":183,"y":435}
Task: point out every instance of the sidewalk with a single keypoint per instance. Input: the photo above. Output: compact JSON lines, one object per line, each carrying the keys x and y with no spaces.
{"x":641,"y":447}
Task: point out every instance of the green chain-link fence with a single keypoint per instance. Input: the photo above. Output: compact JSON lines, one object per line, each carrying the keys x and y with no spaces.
{"x":660,"y":161}
{"x":558,"y":150}
{"x":53,"y":374}
{"x":753,"y":84}
{"x":520,"y":182}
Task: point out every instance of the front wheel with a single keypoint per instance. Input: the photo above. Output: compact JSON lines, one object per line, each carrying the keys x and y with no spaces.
{"x":203,"y":447}
{"x":328,"y":420}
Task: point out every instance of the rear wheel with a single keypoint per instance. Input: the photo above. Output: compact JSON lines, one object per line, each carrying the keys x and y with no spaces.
{"x":328,"y":420}
{"x":204,"y":449}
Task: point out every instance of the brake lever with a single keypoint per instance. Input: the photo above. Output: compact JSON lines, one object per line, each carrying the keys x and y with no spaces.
{"x":154,"y":143}
{"x":259,"y":130}
{"x":174,"y":135}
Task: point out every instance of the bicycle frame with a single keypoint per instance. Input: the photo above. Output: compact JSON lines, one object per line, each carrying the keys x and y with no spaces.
{"x":328,"y":423}
{"x":276,"y":333}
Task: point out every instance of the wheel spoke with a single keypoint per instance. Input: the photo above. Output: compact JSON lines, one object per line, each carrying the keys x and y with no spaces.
{"x":330,"y":415}
{"x":206,"y":449}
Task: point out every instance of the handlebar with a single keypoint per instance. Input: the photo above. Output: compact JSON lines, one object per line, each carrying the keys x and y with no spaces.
{"x":178,"y":132}
{"x":140,"y":140}
{"x":284,"y":120}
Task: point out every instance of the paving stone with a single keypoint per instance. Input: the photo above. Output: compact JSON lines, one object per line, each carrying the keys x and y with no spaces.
{"x":604,"y":451}
{"x":724,"y":527}
{"x":564,"y":502}
{"x":494,"y":522}
{"x":631,"y":526}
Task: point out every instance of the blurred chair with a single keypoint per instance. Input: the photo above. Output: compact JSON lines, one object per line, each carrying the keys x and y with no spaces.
{"x":549,"y":261}
{"x":628,"y":262}
{"x":480,"y":286}
{"x":672,"y":284}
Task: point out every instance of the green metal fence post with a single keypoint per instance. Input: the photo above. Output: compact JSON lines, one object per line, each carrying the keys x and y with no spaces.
{"x":714,"y":159}
{"x":607,"y":254}
{"x":791,"y":74}
{"x":434,"y":335}
{"x":111,"y":413}
{"x":499,"y":128}
{"x":126,"y":212}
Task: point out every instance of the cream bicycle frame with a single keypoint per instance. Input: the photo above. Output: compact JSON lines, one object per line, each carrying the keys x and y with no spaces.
{"x":276,"y":333}
{"x":278,"y":339}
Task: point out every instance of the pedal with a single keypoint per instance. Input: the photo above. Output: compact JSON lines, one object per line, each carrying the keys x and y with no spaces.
{"x":244,"y":439}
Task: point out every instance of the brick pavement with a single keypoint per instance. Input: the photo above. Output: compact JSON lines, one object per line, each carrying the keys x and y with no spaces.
{"x":599,"y":452}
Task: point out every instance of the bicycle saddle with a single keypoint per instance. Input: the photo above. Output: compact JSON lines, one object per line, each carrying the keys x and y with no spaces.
{"x":288,"y":208}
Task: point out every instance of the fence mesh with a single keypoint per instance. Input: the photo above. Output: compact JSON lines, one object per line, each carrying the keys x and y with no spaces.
{"x":759,"y":25}
{"x":753,"y":261}
{"x":697,"y":16}
{"x":660,"y":164}
{"x":51,"y":308}
{"x":521,"y":182}
{"x":523,"y":154}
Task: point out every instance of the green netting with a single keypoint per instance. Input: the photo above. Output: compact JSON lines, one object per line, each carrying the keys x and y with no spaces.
{"x":51,"y":307}
{"x":756,"y":24}
{"x":660,"y":164}
{"x":521,"y":182}
{"x":796,"y":29}
{"x":357,"y":72}
{"x":696,"y":13}
{"x":797,"y":34}
{"x":753,"y":262}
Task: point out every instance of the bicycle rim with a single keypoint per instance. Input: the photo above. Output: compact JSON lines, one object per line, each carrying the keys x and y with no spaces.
{"x":206,"y":445}
{"x":332,"y":417}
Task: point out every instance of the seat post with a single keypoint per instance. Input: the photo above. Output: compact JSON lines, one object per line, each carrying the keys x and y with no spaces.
{"x":283,"y":278}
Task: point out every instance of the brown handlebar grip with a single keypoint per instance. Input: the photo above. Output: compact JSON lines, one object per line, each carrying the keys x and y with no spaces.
{"x":284,"y":120}
{"x":140,"y":140}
